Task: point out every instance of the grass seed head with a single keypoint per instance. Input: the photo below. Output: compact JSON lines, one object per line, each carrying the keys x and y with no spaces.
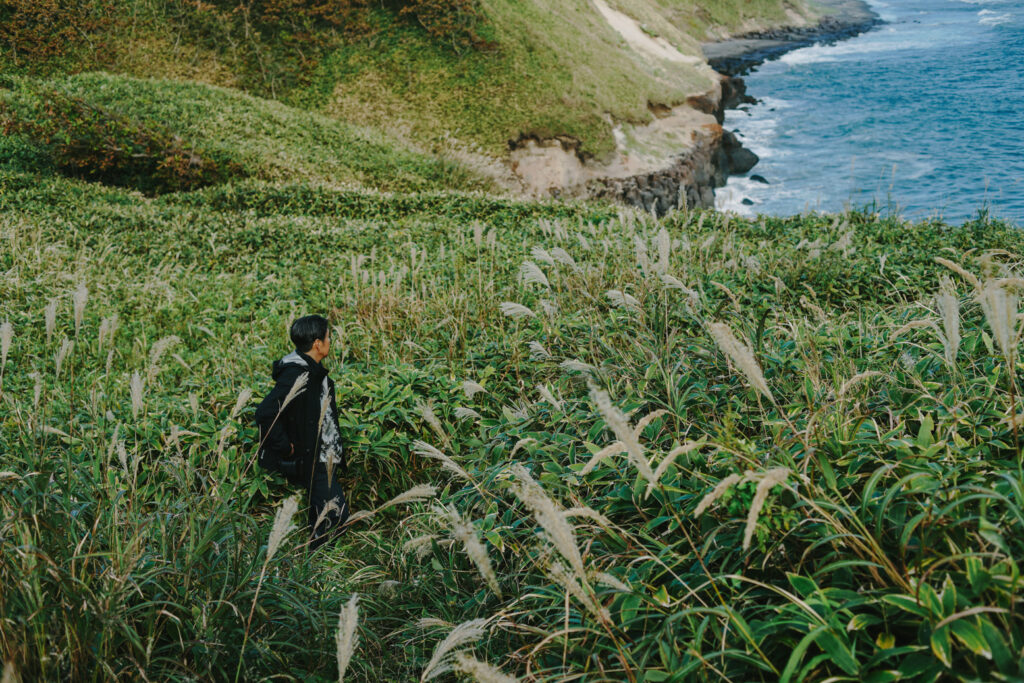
{"x":137,"y":388}
{"x":346,"y":639}
{"x":949,"y":307}
{"x":443,"y":658}
{"x":50,"y":315}
{"x":465,"y":533}
{"x":516,"y":311}
{"x":80,"y":298}
{"x":531,"y":274}
{"x":425,"y":450}
{"x":741,"y":356}
{"x":551,"y":519}
{"x":282,"y":520}
{"x":6,"y":337}
{"x":482,"y":672}
{"x":767,"y":481}
{"x":65,"y":348}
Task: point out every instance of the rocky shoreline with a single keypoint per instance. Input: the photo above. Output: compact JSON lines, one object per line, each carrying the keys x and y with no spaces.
{"x":690,"y":179}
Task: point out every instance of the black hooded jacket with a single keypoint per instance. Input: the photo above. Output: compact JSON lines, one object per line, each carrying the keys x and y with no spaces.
{"x":298,"y":424}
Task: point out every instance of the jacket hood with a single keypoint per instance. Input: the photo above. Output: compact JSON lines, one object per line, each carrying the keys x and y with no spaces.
{"x":297,"y":361}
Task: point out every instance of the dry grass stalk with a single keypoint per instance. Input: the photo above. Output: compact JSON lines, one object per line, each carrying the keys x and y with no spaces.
{"x":481,"y":671}
{"x":516,"y":311}
{"x":79,"y":298}
{"x":619,"y":425}
{"x":465,"y":533}
{"x":424,"y":449}
{"x":765,"y":484}
{"x":282,"y":520}
{"x":741,"y":356}
{"x":346,"y":639}
{"x":443,"y":657}
{"x":558,"y":531}
{"x":137,"y":388}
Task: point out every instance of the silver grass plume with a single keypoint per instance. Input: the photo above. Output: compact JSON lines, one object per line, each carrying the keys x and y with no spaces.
{"x":563,"y":257}
{"x":541,"y":254}
{"x":741,"y":356}
{"x":420,"y":545}
{"x":137,"y":388}
{"x":471,"y":388}
{"x":949,"y":307}
{"x":50,"y":315}
{"x":65,"y":348}
{"x":612,"y":581}
{"x":443,"y":657}
{"x":767,"y":481}
{"x":480,"y":671}
{"x":620,"y":299}
{"x":855,"y":380}
{"x":1000,"y":307}
{"x":670,"y":458}
{"x":546,"y":395}
{"x":346,"y":639}
{"x":642,"y":259}
{"x":716,"y":493}
{"x":516,"y":311}
{"x":664,"y":250}
{"x":425,"y":450}
{"x":464,"y":413}
{"x":108,"y":327}
{"x":959,"y":270}
{"x":531,"y":274}
{"x":282,"y":520}
{"x":157,"y":351}
{"x":550,"y":308}
{"x":465,"y":533}
{"x":537,"y":351}
{"x":416,"y":494}
{"x":6,"y":337}
{"x":619,"y":425}
{"x":297,"y":388}
{"x":37,"y":392}
{"x":80,"y":297}
{"x":426,"y":411}
{"x":587,"y":513}
{"x":576,"y":365}
{"x":243,"y":398}
{"x":608,"y":451}
{"x":557,"y":572}
{"x":559,"y":532}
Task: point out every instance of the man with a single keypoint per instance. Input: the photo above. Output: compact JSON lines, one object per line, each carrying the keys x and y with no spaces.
{"x":299,"y":434}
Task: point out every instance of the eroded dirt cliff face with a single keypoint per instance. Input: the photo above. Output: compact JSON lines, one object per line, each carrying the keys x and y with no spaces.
{"x":678,"y":158}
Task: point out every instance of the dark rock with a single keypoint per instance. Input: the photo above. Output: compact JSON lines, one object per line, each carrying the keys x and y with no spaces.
{"x":759,"y":179}
{"x":742,"y":160}
{"x":747,"y":201}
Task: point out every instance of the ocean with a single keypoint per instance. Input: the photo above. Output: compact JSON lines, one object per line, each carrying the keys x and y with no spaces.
{"x":922,"y":116}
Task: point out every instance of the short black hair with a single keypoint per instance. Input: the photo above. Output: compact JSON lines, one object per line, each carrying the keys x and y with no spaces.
{"x":307,"y":330}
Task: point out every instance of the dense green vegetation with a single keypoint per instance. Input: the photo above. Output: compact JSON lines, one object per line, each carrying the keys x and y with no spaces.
{"x":480,"y":73}
{"x":874,"y":472}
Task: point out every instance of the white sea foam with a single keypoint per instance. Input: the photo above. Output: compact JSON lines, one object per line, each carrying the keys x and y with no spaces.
{"x":987,"y":17}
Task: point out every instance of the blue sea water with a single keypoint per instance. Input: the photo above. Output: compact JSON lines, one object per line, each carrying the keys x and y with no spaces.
{"x":923,"y":115}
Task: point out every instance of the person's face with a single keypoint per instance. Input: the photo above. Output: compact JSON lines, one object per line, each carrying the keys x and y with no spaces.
{"x":323,"y":346}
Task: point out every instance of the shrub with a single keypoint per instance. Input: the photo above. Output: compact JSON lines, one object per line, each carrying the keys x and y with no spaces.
{"x":90,"y":142}
{"x":41,"y":29}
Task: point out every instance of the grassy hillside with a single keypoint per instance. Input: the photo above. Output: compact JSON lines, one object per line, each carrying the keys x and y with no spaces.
{"x":482,"y":71}
{"x":863,"y":454}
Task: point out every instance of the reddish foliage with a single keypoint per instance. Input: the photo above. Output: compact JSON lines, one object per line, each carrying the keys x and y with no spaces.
{"x":41,"y":29}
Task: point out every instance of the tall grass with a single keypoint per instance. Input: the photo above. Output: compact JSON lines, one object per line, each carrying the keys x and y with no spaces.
{"x":837,"y":495}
